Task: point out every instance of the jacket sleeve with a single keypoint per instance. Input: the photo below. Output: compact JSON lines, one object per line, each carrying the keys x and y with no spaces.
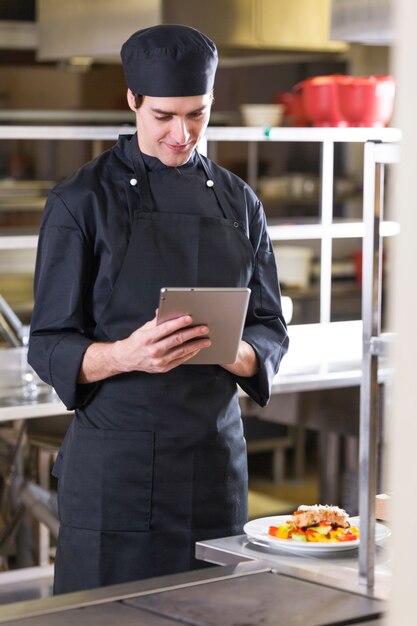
{"x":58,"y":338}
{"x":265,"y":328}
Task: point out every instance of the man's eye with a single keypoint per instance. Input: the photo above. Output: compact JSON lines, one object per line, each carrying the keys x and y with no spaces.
{"x":163,"y":118}
{"x":196,"y":116}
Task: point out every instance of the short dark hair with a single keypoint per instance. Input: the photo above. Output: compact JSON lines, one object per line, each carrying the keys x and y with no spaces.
{"x":138,"y":99}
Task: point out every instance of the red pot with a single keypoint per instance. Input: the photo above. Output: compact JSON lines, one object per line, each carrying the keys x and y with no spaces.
{"x":321,"y":100}
{"x":294,"y":110}
{"x":367,"y":100}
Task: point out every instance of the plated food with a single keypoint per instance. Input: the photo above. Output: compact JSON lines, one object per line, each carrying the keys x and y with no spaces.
{"x":319,"y":530}
{"x":317,"y":524}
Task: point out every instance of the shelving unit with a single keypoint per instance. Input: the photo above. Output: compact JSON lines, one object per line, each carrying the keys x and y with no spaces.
{"x":380,"y":148}
{"x":325,"y":231}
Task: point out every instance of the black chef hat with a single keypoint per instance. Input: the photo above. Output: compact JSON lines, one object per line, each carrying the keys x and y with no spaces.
{"x":169,"y":60}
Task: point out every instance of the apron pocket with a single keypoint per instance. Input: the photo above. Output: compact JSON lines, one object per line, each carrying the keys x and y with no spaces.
{"x":108,"y":482}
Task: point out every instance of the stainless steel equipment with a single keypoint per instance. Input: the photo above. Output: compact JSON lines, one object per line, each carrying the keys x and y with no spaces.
{"x":337,"y":570}
{"x":363,"y":21}
{"x":12,"y":329}
{"x":246,"y":594}
{"x":94,"y":29}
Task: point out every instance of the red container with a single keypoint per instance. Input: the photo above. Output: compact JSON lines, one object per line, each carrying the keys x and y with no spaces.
{"x":367,"y":100}
{"x":294,"y":113}
{"x":321,"y":100}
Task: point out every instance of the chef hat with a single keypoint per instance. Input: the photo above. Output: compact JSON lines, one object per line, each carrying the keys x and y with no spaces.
{"x":169,"y":60}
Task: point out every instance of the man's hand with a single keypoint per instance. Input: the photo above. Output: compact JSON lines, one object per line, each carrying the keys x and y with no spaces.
{"x":246,"y":363}
{"x":151,"y":348}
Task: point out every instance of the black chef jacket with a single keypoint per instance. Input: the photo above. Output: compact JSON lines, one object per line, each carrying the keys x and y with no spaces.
{"x":82,"y":245}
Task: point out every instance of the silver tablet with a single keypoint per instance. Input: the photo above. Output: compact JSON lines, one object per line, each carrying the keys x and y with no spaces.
{"x":222,"y":309}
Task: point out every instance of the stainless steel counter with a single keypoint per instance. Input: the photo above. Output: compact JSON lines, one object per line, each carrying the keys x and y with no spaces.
{"x":16,"y":407}
{"x":247,"y":593}
{"x":339,"y":570}
{"x":321,"y":356}
{"x":22,"y":394}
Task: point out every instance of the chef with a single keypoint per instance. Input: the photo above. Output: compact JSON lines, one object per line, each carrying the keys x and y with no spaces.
{"x":155,"y":458}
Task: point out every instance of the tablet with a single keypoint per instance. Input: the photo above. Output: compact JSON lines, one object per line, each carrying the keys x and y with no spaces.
{"x":223,"y":310}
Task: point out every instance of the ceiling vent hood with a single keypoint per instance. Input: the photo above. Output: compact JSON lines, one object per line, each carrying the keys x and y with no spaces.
{"x":363,"y":21}
{"x":259,"y":25}
{"x":96,"y":29}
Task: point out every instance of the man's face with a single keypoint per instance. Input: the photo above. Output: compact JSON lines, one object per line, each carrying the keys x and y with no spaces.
{"x":170,"y":128}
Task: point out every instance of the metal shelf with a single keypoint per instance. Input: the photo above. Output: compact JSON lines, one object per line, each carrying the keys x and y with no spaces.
{"x":337,"y":230}
{"x":277,"y":232}
{"x":213,"y":133}
{"x":307,"y":134}
{"x":75,"y":133}
{"x":327,"y":137}
{"x":326,"y":231}
{"x":18,"y":242}
{"x":379,"y":149}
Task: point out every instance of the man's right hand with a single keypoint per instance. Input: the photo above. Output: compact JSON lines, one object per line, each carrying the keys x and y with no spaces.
{"x":151,"y":348}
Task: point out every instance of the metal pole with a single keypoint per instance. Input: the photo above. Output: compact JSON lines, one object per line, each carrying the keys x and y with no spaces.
{"x":371,"y":317}
{"x":24,"y":539}
{"x":40,"y":503}
{"x":327,"y":159}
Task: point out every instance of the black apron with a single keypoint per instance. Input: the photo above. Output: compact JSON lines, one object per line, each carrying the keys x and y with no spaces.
{"x":155,"y":462}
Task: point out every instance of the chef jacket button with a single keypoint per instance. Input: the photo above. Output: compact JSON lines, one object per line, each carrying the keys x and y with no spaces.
{"x":209,"y":183}
{"x":236,"y":224}
{"x":133,"y":182}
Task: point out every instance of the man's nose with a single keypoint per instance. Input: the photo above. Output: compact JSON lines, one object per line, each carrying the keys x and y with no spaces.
{"x":180,"y":130}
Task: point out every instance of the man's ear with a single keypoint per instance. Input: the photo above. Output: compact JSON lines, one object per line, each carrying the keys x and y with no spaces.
{"x":131,"y":100}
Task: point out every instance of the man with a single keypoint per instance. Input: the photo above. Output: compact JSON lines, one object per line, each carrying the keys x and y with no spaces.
{"x":155,"y":458}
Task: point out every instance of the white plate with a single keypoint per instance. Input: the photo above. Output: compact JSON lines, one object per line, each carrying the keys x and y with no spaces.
{"x":257,"y":533}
